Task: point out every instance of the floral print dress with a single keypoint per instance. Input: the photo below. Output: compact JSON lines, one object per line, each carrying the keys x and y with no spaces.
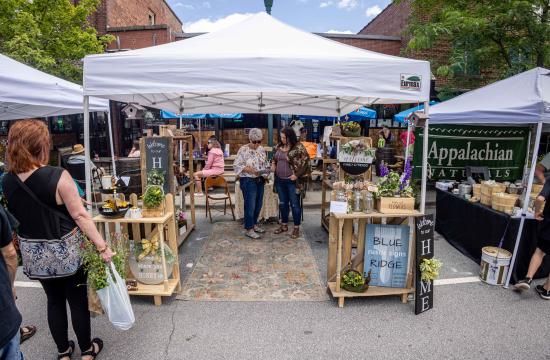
{"x":246,"y":156}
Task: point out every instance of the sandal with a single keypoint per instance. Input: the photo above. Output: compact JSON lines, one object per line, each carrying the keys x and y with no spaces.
{"x":69,"y":353}
{"x":295,"y":233}
{"x":281,"y":229}
{"x":92,"y":352}
{"x":26,"y":332}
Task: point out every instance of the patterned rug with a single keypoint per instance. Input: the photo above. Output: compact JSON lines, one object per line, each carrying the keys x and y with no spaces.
{"x":233,"y":267}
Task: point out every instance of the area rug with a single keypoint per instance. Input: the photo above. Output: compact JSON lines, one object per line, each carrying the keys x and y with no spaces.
{"x":233,"y":267}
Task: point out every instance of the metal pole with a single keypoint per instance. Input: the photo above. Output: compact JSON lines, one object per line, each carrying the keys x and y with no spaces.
{"x":528,"y":150}
{"x":111,"y":141}
{"x":87,"y":167}
{"x":425,"y":158}
{"x":200,"y":139}
{"x":525,"y":202}
{"x":270,"y":129}
{"x":180,"y":143}
{"x":408,"y":142}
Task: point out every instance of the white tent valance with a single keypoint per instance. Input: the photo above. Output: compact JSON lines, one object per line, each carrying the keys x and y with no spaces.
{"x":28,"y":93}
{"x":520,"y":99}
{"x":259,"y":65}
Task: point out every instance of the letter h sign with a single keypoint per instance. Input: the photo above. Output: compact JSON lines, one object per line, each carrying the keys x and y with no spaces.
{"x":424,"y":250}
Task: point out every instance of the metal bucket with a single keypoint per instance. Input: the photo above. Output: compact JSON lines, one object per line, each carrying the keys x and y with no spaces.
{"x":495,"y":263}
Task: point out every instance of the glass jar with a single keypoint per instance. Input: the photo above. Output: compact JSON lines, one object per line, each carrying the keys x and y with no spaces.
{"x":341,"y":195}
{"x":357,"y":201}
{"x":368,"y":201}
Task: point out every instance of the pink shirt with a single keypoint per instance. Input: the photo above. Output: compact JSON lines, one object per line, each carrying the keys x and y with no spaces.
{"x":215,"y":161}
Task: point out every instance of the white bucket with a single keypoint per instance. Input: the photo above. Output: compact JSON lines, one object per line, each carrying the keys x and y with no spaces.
{"x":494,"y":265}
{"x":106,"y":182}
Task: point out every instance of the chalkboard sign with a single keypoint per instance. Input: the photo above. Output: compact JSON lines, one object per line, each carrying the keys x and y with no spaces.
{"x":386,"y":255}
{"x":424,"y":250}
{"x":157,"y":154}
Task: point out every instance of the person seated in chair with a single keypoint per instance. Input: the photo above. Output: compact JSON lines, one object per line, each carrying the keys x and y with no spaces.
{"x":214,"y":166}
{"x":135,"y":153}
{"x":77,"y":157}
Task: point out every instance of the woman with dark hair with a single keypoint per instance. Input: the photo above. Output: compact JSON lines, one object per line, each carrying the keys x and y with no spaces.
{"x":215,"y":165}
{"x":291,"y":167}
{"x":45,"y":201}
{"x":135,"y":153}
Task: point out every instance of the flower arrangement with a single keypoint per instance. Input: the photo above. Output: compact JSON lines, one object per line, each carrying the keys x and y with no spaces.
{"x":153,"y":197}
{"x":354,"y":281}
{"x":94,"y":264}
{"x":358,"y":147}
{"x":391,"y":184}
{"x":181,"y":218}
{"x":351,"y":128}
{"x":155,"y":177}
{"x":429,"y":269}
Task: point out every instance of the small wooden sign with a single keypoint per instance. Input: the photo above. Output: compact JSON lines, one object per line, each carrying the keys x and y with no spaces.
{"x":355,"y":155}
{"x":157,"y":154}
{"x":424,"y":250}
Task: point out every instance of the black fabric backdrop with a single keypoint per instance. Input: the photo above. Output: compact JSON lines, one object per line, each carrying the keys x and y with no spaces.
{"x":469,"y":227}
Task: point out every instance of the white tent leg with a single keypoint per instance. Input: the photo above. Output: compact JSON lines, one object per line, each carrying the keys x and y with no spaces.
{"x":87,"y":168}
{"x":180,"y":143}
{"x":425,"y":159}
{"x":109,"y":124}
{"x":407,"y":143}
{"x":200,"y":139}
{"x":525,"y":203}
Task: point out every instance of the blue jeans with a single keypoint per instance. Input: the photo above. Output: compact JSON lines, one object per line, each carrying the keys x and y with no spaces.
{"x":12,"y":351}
{"x":286,"y":189}
{"x":253,"y":195}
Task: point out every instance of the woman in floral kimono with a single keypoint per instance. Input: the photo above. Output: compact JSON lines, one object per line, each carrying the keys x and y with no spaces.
{"x":291,"y":167}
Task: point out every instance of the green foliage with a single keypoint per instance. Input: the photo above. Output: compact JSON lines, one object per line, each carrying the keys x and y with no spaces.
{"x":353,"y":279}
{"x":95,"y":266}
{"x":391,"y":185}
{"x":505,"y":37}
{"x":153,"y":197}
{"x":429,"y":269}
{"x":50,"y":35}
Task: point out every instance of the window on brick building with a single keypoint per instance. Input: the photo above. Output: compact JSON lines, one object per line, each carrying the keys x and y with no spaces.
{"x":151,"y":18}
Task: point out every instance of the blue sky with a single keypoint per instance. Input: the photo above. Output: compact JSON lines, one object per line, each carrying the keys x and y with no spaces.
{"x":312,"y":15}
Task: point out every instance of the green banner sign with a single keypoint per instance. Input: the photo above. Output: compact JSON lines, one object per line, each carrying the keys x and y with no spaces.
{"x":452,"y":147}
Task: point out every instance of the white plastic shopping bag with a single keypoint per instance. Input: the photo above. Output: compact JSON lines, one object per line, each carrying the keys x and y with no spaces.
{"x":116,"y":301}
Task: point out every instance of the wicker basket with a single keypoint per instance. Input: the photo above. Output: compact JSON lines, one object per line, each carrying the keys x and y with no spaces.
{"x":487,"y":191}
{"x":153,"y":212}
{"x":476,"y":188}
{"x":536,"y":189}
{"x":504,"y":202}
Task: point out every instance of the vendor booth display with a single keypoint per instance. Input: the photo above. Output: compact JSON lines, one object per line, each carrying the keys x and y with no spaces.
{"x":260,"y":65}
{"x":519,"y":100}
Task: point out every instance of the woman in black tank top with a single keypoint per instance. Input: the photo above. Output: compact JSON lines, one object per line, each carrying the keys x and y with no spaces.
{"x":27,"y":156}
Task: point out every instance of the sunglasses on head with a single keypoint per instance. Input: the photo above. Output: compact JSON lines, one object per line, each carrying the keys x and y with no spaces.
{"x":257,"y":142}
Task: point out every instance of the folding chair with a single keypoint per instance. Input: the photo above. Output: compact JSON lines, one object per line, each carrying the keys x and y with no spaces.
{"x":217,"y":182}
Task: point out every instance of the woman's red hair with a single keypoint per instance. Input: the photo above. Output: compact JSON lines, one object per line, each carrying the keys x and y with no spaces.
{"x":28,"y":146}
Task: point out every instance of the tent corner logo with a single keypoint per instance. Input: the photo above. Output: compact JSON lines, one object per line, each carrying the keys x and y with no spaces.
{"x":411,"y":82}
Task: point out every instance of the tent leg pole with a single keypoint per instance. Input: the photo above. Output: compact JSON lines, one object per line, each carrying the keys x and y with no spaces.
{"x":425,"y":159}
{"x":270,"y":129}
{"x":525,"y":202}
{"x":109,"y":124}
{"x":87,"y":167}
{"x":407,"y":143}
{"x":180,"y":143}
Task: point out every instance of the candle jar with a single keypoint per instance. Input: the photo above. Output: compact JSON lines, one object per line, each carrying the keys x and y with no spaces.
{"x":368,"y":205}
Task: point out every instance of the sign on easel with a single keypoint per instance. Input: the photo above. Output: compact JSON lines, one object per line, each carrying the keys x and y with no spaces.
{"x":424,"y":250}
{"x":157,"y":154}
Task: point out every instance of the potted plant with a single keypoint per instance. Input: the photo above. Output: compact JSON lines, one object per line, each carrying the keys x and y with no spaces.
{"x":351,"y":129}
{"x":153,"y":201}
{"x":395,"y":195}
{"x":354,"y":281}
{"x":182,"y":221}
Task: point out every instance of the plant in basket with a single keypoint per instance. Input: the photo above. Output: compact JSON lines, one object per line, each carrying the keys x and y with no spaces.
{"x":351,"y":129}
{"x":181,"y":218}
{"x":354,"y":281}
{"x":395,"y":194}
{"x":153,"y":201}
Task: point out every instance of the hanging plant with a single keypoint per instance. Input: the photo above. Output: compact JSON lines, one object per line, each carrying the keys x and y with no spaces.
{"x":429,"y":269}
{"x":153,"y":197}
{"x":155,"y":177}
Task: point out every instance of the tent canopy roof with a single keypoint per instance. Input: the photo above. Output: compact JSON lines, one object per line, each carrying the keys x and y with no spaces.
{"x":26,"y":93}
{"x":259,"y":65}
{"x":520,"y":99}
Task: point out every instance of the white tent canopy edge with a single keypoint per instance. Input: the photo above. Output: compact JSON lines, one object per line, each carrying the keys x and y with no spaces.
{"x":259,"y":65}
{"x":523,"y":99}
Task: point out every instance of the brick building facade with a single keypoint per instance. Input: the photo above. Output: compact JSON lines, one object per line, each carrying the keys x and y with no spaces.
{"x":137,"y":23}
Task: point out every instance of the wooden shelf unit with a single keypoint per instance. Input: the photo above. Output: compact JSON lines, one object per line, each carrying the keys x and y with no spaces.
{"x":166,"y":227}
{"x":340,"y":257}
{"x":190,"y":186}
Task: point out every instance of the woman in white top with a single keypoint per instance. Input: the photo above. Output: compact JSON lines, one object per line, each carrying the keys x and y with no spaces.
{"x":251,"y":166}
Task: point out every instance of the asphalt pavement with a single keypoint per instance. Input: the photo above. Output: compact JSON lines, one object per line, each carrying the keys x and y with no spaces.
{"x":469,"y":321}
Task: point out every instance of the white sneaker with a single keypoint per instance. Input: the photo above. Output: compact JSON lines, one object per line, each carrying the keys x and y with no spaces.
{"x":259,"y":229}
{"x":252,"y":234}
{"x":199,"y":194}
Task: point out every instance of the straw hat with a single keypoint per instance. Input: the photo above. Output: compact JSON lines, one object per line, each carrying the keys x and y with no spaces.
{"x":77,"y":149}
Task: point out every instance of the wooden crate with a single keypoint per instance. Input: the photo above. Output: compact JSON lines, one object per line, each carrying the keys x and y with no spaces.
{"x":395,"y":205}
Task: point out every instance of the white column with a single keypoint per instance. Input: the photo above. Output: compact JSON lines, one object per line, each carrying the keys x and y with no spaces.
{"x":425,"y":158}
{"x":180,"y":143}
{"x":87,"y":167}
{"x":110,"y":125}
{"x":525,"y":202}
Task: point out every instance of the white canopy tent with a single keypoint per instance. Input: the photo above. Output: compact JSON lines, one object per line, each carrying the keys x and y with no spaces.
{"x":29,"y":93}
{"x":523,"y":99}
{"x":259,"y":65}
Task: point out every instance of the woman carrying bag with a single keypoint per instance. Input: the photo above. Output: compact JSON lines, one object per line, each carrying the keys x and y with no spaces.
{"x":291,"y":167}
{"x":52,"y":219}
